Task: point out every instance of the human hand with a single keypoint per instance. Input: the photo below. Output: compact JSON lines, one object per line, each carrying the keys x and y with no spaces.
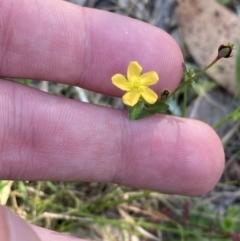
{"x":45,"y":137}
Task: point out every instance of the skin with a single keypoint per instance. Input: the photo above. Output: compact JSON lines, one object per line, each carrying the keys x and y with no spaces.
{"x":45,"y":137}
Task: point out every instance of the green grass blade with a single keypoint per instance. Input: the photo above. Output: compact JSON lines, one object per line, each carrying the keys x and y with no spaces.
{"x":238,"y":70}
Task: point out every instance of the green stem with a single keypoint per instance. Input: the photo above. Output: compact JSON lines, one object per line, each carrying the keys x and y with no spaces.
{"x":221,"y":122}
{"x":193,"y":77}
{"x":184,"y":102}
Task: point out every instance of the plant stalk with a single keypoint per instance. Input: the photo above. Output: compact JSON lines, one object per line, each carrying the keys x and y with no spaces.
{"x":193,"y":77}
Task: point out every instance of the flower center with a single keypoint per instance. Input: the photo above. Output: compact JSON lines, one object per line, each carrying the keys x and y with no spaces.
{"x":136,"y":83}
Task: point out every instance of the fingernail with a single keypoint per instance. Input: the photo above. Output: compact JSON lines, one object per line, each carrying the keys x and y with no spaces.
{"x":14,"y":228}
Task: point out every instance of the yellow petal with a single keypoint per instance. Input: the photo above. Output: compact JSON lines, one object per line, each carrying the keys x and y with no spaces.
{"x":121,"y":82}
{"x":149,"y":78}
{"x":148,"y":95}
{"x":134,"y":71}
{"x":131,"y":98}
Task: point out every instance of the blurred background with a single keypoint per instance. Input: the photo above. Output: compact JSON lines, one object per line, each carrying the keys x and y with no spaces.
{"x":102,"y":211}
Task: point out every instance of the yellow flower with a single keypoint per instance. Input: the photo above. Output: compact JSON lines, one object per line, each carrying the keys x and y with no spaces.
{"x":136,"y":84}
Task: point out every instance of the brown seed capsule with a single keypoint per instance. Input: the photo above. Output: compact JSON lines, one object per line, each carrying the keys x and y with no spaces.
{"x":165,"y":94}
{"x":225,"y":50}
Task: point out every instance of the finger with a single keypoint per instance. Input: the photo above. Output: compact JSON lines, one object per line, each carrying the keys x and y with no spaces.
{"x":46,"y":137}
{"x":13,"y":228}
{"x":58,"y":41}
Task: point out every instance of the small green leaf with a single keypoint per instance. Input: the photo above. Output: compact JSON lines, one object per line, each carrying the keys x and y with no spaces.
{"x":227,"y":224}
{"x":135,"y":110}
{"x":23,"y":190}
{"x":236,"y":116}
{"x":143,"y":114}
{"x":195,"y":87}
{"x":158,"y":107}
{"x":190,"y":73}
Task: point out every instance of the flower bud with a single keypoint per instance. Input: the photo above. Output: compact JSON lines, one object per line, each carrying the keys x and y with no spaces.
{"x":225,"y":50}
